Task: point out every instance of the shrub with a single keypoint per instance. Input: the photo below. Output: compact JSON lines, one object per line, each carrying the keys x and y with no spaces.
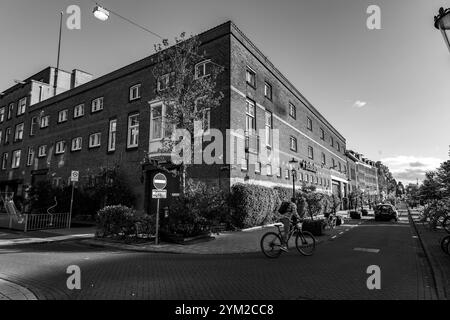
{"x":253,"y":205}
{"x":116,"y":221}
{"x":313,"y":203}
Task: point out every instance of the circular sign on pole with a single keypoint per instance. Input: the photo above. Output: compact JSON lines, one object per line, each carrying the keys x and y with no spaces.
{"x":160,"y":181}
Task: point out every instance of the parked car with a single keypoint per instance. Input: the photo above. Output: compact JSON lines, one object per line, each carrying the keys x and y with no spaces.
{"x":385,"y":211}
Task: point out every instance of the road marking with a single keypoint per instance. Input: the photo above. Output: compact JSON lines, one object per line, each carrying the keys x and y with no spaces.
{"x":341,"y":232}
{"x":333,"y":237}
{"x":415,"y":237}
{"x":367,"y":250}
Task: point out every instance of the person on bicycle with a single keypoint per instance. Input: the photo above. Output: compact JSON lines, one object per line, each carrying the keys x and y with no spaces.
{"x":290,"y":214}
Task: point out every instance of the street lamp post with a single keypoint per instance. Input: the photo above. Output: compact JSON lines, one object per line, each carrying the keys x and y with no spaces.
{"x":442,"y":23}
{"x":292,"y":164}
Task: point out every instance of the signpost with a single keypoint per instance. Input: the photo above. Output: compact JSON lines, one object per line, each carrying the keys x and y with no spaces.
{"x":160,"y":183}
{"x":74,"y":177}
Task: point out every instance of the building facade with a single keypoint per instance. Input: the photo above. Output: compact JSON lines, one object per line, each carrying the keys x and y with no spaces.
{"x":115,"y":121}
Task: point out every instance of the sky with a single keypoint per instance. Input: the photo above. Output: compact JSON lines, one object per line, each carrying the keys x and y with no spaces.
{"x":387,"y":91}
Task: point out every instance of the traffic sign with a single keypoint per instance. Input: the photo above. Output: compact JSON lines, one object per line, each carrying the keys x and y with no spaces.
{"x":75,"y":176}
{"x":160,"y":181}
{"x":159,"y":194}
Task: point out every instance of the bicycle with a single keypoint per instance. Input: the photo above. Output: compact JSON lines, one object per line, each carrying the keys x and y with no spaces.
{"x":330,"y":222}
{"x":272,"y":242}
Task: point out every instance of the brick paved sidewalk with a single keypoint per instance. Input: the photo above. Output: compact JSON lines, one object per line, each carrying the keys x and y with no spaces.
{"x":440,"y":261}
{"x":224,"y":243}
{"x":12,"y":291}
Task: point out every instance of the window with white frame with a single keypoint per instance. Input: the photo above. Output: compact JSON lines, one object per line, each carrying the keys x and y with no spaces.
{"x":310,"y":152}
{"x":135,"y":92}
{"x":286,"y":173}
{"x":250,"y":77}
{"x":95,"y":140}
{"x":165,"y":81}
{"x":18,"y":134}
{"x":332,"y":141}
{"x":21,"y":107}
{"x":250,"y":120}
{"x":60,"y":147}
{"x":97,"y":105}
{"x":292,"y":110}
{"x":269,"y":169}
{"x":268,"y":90}
{"x":15,"y":161}
{"x":112,"y":135}
{"x":338,"y":146}
{"x":268,"y":128}
{"x":293,"y":143}
{"x":7,"y":135}
{"x":78,"y":111}
{"x":324,"y":159}
{"x":77,"y":144}
{"x":258,"y":167}
{"x":5,"y":160}
{"x":10,"y":110}
{"x":202,"y":69}
{"x":244,"y":163}
{"x":340,"y":167}
{"x":45,"y":121}
{"x":133,"y":131}
{"x":333,"y":163}
{"x":322,"y":134}
{"x":63,"y":115}
{"x":157,"y":122}
{"x":30,"y":156}
{"x":33,"y":125}
{"x":42,"y":151}
{"x":279,"y":172}
{"x":2,"y":114}
{"x":309,"y":124}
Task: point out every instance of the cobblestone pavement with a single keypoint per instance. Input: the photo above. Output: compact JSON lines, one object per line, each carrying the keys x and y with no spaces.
{"x":336,"y":271}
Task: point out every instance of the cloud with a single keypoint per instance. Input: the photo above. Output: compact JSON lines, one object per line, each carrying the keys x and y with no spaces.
{"x":410,"y":168}
{"x":359,"y":104}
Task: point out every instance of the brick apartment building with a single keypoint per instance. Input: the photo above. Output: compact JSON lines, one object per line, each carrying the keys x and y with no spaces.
{"x":114,"y":120}
{"x":362,"y":175}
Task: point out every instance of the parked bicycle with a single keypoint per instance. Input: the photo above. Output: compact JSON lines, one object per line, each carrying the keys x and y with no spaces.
{"x":330,"y":222}
{"x":272,"y":242}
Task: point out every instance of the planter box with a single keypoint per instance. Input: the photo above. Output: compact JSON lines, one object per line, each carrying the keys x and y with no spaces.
{"x":364,"y":212}
{"x":355,"y":215}
{"x":313,"y":226}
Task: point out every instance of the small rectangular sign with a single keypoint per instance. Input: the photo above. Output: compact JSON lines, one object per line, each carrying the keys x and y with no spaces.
{"x":75,"y":176}
{"x":159,"y":194}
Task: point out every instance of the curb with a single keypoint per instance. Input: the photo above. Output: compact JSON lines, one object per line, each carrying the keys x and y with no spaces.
{"x":437,"y":279}
{"x":12,"y":291}
{"x":17,"y":242}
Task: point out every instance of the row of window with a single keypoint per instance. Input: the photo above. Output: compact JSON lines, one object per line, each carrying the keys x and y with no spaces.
{"x":94,"y":141}
{"x":268,"y":93}
{"x":287,"y":174}
{"x":7,"y":113}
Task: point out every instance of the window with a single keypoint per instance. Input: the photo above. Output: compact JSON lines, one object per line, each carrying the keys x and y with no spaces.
{"x":338,"y":146}
{"x":133,"y":131}
{"x":135,"y":92}
{"x":322,"y":134}
{"x":60,"y":147}
{"x":293,"y":143}
{"x":268,"y":126}
{"x":279,"y":172}
{"x":42,"y":151}
{"x":324,"y":159}
{"x":97,"y":105}
{"x":18,"y":134}
{"x":45,"y":121}
{"x":78,"y":111}
{"x":333,"y":163}
{"x":112,"y":135}
{"x":340,"y":167}
{"x":30,"y":156}
{"x":202,"y":69}
{"x":166,"y":81}
{"x":345,"y":168}
{"x":250,"y":77}
{"x":10,"y":110}
{"x":77,"y":144}
{"x":250,"y":122}
{"x":4,"y":161}
{"x":310,"y":152}
{"x":33,"y":125}
{"x":95,"y":140}
{"x":157,"y":120}
{"x":7,"y":135}
{"x":332,"y":141}
{"x":269,"y":170}
{"x":62,"y":116}
{"x":286,"y":174}
{"x":268,"y":91}
{"x":258,"y":167}
{"x":292,"y":111}
{"x":244,"y":163}
{"x":1,"y":136}
{"x":21,"y":107}
{"x":309,"y":124}
{"x":2,"y":114}
{"x":15,"y":163}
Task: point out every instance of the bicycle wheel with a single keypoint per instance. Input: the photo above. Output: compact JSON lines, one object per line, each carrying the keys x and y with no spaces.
{"x":270,"y":245}
{"x":305,"y":243}
{"x":444,"y":244}
{"x":446,"y":224}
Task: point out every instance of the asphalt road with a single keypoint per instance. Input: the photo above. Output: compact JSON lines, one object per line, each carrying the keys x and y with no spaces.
{"x":336,"y":271}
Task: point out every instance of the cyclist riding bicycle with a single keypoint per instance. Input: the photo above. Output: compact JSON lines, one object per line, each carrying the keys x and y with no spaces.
{"x":289,"y":212}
